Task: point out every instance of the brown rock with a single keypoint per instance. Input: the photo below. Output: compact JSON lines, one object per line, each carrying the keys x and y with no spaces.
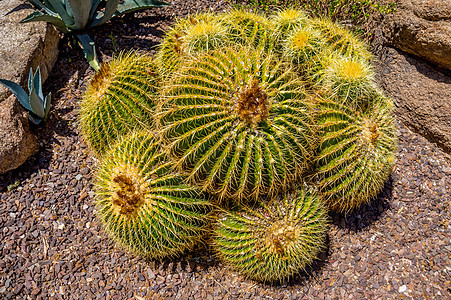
{"x":422,"y":28}
{"x":22,"y":46}
{"x":421,"y":92}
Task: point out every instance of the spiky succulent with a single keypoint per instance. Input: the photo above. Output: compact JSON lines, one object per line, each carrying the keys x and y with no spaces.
{"x":302,"y":45}
{"x":348,"y":80}
{"x":238,"y":122}
{"x":143,"y":204}
{"x":286,"y":20}
{"x":339,"y":40}
{"x":119,"y":98}
{"x":356,"y":153}
{"x":191,"y":35}
{"x":248,"y":28}
{"x":272,"y":242}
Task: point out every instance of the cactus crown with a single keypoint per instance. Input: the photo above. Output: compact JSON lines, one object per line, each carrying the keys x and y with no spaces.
{"x":274,"y":241}
{"x":239,"y":122}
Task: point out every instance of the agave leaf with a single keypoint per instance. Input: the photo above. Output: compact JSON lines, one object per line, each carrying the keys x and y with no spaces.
{"x":39,"y":5}
{"x":40,"y":16}
{"x":36,"y":103}
{"x":30,"y":79}
{"x":47,"y":102}
{"x":34,"y":119}
{"x":110,"y":10}
{"x":132,"y":5}
{"x":61,"y":10}
{"x":89,"y":49}
{"x":37,"y":83}
{"x":18,"y":91}
{"x":81,"y":10}
{"x":94,"y":5}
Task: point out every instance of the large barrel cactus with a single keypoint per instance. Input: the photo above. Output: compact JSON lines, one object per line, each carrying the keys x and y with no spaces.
{"x":357,"y":152}
{"x":238,"y":122}
{"x":119,"y":98}
{"x":272,"y":242}
{"x":143,"y":204}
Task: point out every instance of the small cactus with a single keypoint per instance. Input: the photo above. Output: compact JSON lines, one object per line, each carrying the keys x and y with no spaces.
{"x":143,"y":205}
{"x":348,"y":80}
{"x":285,"y":21}
{"x":119,"y":98}
{"x":191,"y":35}
{"x":302,"y":46}
{"x":356,"y":153}
{"x":339,"y":40}
{"x":239,"y":123}
{"x":273,"y":242}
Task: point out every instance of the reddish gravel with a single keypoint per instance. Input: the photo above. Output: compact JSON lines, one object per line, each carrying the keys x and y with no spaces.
{"x":52,"y":246}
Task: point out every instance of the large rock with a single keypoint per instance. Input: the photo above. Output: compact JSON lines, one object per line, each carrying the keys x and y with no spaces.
{"x":422,"y":28}
{"x":422,"y":94}
{"x":22,"y":46}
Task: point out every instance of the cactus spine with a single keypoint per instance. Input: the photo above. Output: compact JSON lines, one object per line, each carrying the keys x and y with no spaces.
{"x":273,"y":242}
{"x":143,"y":205}
{"x":239,"y":123}
{"x":357,"y":152}
{"x":119,"y":98}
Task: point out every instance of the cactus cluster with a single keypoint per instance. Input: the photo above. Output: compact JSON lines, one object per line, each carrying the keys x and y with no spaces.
{"x":246,"y":128}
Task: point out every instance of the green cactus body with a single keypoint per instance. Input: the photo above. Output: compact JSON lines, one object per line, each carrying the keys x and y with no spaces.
{"x":285,"y":21}
{"x":119,"y":98}
{"x":248,"y":28}
{"x":302,"y":46}
{"x":143,"y":205}
{"x":356,"y":153}
{"x":340,"y":40}
{"x":191,"y":35}
{"x":348,"y":80}
{"x":273,"y":242}
{"x":239,"y":123}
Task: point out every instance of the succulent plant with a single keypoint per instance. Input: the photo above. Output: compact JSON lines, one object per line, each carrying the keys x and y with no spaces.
{"x":36,"y":105}
{"x":286,"y":20}
{"x":348,"y":80}
{"x":273,"y":242}
{"x":238,"y":122}
{"x":145,"y":206}
{"x":339,"y":40}
{"x":302,"y":45}
{"x":188,"y":36}
{"x":119,"y":98}
{"x":356,"y":152}
{"x":79,"y":15}
{"x":248,"y":28}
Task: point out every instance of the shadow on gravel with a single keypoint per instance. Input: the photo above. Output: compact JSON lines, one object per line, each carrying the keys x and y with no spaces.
{"x":366,"y":214}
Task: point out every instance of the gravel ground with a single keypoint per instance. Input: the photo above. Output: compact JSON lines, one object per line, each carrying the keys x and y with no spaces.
{"x":52,"y":246}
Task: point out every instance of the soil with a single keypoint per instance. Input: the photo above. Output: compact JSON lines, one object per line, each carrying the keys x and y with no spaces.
{"x":52,"y":246}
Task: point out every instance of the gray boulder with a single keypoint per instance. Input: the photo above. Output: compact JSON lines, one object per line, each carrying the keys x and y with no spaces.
{"x":22,"y":46}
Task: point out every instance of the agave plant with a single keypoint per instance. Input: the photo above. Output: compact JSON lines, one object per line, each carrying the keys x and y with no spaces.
{"x":79,"y":15}
{"x":37,"y":106}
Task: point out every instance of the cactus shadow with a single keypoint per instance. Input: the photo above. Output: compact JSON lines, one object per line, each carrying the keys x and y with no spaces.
{"x":366,"y":214}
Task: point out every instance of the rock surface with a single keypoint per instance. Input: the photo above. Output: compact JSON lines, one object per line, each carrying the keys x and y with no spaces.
{"x":422,"y":28}
{"x":22,"y":46}
{"x":421,"y":92}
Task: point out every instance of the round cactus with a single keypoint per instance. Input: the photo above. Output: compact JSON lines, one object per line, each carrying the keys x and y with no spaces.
{"x":119,"y":98}
{"x":248,"y":28}
{"x":191,"y":35}
{"x":339,"y":40}
{"x":356,"y":153}
{"x":348,"y":80}
{"x":302,"y":45}
{"x":286,"y":20}
{"x":272,"y":242}
{"x":143,"y":205}
{"x":239,"y":123}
